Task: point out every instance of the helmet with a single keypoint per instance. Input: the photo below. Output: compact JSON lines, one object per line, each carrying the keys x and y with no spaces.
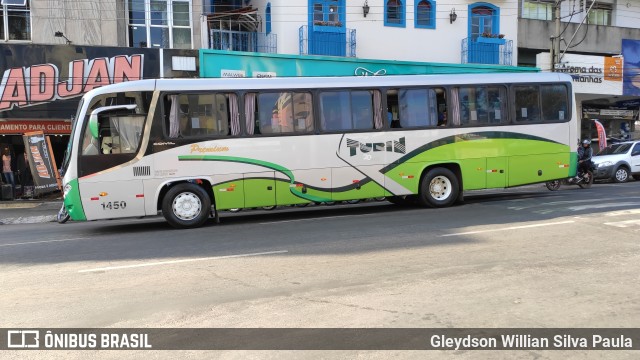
{"x":586,"y":142}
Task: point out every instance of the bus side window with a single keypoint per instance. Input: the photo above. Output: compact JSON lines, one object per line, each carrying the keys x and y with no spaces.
{"x":393,"y":118}
{"x":527,"y":103}
{"x":351,"y":110}
{"x":418,"y":107}
{"x":214,"y":114}
{"x":554,"y":102}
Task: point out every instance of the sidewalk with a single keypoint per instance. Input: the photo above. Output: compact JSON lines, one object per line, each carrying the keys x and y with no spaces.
{"x":29,"y":211}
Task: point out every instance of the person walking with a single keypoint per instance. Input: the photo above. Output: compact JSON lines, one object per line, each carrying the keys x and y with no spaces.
{"x":7,"y":173}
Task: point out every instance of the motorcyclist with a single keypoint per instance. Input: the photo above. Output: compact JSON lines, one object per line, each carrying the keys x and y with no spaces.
{"x":584,"y":157}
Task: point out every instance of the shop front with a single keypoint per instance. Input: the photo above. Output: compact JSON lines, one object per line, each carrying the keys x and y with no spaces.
{"x":42,"y":85}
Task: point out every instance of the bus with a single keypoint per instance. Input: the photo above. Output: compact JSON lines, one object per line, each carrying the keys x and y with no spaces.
{"x":187,"y":148}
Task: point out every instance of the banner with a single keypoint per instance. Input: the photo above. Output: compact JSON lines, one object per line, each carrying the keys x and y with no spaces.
{"x":449,"y":339}
{"x":602,"y":135}
{"x":41,"y":162}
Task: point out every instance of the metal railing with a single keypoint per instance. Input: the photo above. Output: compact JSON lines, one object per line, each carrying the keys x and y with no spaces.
{"x":243,"y":41}
{"x":341,"y":42}
{"x":491,"y":51}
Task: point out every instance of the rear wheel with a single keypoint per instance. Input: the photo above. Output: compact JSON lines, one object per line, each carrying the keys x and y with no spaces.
{"x":186,"y":206}
{"x":621,"y":175}
{"x":438,"y":188}
{"x":588,"y":180}
{"x":553,"y":185}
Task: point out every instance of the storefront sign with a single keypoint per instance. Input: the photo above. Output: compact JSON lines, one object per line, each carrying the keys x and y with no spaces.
{"x":25,"y":126}
{"x":618,"y":113}
{"x":37,"y":84}
{"x":590,"y":74}
{"x":631,"y":54}
{"x":41,"y":162}
{"x":225,"y":64}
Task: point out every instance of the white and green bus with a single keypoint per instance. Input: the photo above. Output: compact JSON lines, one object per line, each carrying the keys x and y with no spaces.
{"x":189,"y":147}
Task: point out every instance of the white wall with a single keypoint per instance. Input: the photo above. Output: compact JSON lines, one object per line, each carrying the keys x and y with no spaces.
{"x":376,"y":41}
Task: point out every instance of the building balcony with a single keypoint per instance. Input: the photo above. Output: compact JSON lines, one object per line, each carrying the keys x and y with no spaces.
{"x":243,"y":41}
{"x":492,"y":51}
{"x":325,"y":40}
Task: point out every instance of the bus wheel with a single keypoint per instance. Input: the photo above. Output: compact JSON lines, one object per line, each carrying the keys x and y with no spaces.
{"x":438,"y":188}
{"x":186,"y":206}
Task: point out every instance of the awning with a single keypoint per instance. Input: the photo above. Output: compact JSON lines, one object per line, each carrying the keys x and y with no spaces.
{"x":242,"y":19}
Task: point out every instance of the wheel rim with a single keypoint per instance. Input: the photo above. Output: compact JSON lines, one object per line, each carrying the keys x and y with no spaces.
{"x":621,"y":175}
{"x":440,"y":187}
{"x":186,"y":206}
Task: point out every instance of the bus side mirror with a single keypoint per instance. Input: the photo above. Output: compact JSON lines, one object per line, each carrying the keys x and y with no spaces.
{"x":93,"y":118}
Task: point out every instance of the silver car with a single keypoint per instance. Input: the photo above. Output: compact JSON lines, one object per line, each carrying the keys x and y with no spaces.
{"x":618,"y":161}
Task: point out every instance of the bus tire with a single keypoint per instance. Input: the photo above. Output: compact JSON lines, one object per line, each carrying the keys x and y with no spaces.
{"x":438,"y":188}
{"x":186,"y":206}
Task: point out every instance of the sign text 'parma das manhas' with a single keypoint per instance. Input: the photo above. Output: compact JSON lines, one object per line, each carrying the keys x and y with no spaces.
{"x":36,"y":84}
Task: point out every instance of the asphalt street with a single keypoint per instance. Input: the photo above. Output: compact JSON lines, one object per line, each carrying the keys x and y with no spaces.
{"x":524,"y":257}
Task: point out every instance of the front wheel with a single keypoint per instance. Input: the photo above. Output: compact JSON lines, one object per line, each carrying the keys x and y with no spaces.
{"x":621,"y":175}
{"x":588,"y":180}
{"x":438,"y":188}
{"x":553,"y":185}
{"x":186,"y":206}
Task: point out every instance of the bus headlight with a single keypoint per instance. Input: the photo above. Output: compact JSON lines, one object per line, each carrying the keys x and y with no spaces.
{"x":605,"y":163}
{"x":66,"y":190}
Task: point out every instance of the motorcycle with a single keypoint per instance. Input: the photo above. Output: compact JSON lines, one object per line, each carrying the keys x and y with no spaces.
{"x":582,"y":179}
{"x":63,"y":215}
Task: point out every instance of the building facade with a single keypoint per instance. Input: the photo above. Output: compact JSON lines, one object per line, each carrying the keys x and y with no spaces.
{"x":593,"y":37}
{"x":411,"y":30}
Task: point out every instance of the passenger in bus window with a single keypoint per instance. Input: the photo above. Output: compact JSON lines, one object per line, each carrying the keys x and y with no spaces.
{"x":442,"y":118}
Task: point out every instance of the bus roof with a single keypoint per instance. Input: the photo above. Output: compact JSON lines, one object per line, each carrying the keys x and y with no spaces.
{"x":325,"y":82}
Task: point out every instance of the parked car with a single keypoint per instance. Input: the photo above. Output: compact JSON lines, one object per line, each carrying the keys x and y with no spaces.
{"x":618,"y":161}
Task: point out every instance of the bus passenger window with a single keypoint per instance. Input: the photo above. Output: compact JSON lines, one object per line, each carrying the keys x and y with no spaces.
{"x":554,"y":102}
{"x":527,"y":103}
{"x":202,"y":115}
{"x":281,"y":113}
{"x":351,"y":110}
{"x":418,"y":107}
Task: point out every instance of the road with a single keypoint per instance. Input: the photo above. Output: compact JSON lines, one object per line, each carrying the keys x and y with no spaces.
{"x":523,"y":257}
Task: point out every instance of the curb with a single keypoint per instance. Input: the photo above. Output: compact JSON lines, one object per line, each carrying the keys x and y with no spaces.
{"x":28,"y":220}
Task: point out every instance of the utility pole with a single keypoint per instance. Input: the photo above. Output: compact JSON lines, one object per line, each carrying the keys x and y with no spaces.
{"x":555,"y":40}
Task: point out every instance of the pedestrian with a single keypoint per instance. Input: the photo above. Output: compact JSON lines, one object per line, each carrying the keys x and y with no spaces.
{"x":7,"y":172}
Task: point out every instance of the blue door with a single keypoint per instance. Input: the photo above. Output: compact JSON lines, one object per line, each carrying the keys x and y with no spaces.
{"x":327,"y":30}
{"x":484,"y":19}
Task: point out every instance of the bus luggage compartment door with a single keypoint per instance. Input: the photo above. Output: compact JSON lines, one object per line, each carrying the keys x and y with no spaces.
{"x":259,"y":189}
{"x":112,"y":199}
{"x":496,"y":172}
